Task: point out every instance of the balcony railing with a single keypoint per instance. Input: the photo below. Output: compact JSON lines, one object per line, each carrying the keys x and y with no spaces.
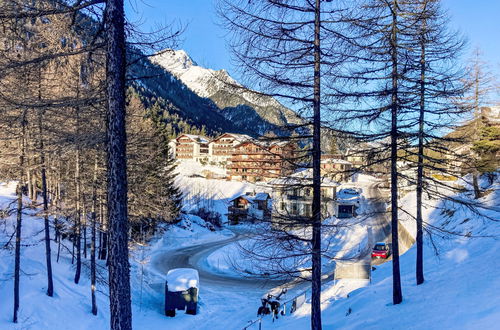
{"x":237,"y":211}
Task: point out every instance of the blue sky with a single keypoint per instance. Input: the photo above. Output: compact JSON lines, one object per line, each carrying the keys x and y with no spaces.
{"x":204,"y":39}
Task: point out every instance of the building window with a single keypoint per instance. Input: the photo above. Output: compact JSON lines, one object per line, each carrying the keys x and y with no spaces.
{"x":307,"y":210}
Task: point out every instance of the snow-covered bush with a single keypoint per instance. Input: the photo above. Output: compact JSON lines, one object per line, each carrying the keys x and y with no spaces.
{"x":212,"y":217}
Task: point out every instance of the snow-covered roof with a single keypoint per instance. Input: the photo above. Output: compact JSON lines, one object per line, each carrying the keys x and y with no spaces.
{"x":348,"y":195}
{"x":303,"y":177}
{"x":264,"y":143}
{"x":262,"y":196}
{"x":335,"y":161}
{"x":247,"y":197}
{"x":238,"y":137}
{"x":181,"y":279}
{"x":195,"y":138}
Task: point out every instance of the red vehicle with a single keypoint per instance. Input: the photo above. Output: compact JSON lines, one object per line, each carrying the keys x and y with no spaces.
{"x":381,"y":250}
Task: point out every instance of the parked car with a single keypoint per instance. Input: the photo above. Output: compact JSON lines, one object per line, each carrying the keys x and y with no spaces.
{"x":381,"y":250}
{"x":181,"y":291}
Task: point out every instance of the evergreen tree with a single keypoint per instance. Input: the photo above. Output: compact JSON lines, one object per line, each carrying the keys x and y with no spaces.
{"x":487,"y":148}
{"x":153,"y":195}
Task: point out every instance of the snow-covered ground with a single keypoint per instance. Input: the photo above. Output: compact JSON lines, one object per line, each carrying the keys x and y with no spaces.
{"x":70,"y":307}
{"x":460,"y":292}
{"x":462,"y":285}
{"x":345,"y":243}
{"x":212,"y":194}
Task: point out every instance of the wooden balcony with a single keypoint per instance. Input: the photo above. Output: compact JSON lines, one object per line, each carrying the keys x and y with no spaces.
{"x":255,"y":166}
{"x":237,"y":211}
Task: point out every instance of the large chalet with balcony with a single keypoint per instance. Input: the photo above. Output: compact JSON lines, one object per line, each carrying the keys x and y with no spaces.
{"x":222,"y":148}
{"x":189,"y":146}
{"x":335,"y":167}
{"x":256,"y":160}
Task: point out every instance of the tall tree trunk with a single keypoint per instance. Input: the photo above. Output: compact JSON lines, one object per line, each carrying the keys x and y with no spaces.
{"x":57,"y":224}
{"x":119,"y":269}
{"x":475,"y":183}
{"x":397,"y":295}
{"x":19,"y":191}
{"x":31,"y":177}
{"x":17,"y":258}
{"x":420,"y":166}
{"x":84,"y":226}
{"x":28,"y":179}
{"x":78,"y":220}
{"x":92,"y":242}
{"x":477,"y":119}
{"x":103,"y":246}
{"x":316,"y":157}
{"x":50,"y":285}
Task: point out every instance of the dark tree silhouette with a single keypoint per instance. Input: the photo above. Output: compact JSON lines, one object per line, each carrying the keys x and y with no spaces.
{"x":119,"y":269}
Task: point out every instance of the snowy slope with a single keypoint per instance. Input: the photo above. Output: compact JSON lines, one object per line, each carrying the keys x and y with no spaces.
{"x":70,"y":307}
{"x":212,"y":194}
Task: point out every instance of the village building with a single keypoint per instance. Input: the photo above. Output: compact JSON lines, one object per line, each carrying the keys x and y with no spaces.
{"x":347,"y":203}
{"x":369,"y":157}
{"x":221,"y":148}
{"x":292,"y":197}
{"x":356,"y":156}
{"x":249,"y":207}
{"x":189,"y":146}
{"x":336,"y":168}
{"x":256,"y":160}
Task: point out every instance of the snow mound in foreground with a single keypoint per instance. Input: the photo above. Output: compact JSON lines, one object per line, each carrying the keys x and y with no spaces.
{"x":180,"y":279}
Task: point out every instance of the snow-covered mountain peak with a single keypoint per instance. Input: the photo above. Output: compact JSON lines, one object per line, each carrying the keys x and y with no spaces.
{"x":221,"y":88}
{"x":197,"y":78}
{"x":175,"y":61}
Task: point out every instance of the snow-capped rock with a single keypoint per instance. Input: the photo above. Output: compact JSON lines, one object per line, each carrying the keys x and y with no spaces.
{"x":223,"y":90}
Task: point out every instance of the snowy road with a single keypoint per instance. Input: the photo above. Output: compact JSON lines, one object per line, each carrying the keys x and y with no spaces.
{"x":381,"y":225}
{"x":193,"y":257}
{"x":233,"y":301}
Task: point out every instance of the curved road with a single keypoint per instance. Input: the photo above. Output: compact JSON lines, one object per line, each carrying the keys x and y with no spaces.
{"x":192,"y":257}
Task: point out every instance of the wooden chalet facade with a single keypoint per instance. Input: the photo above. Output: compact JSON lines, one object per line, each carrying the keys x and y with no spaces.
{"x":189,"y":146}
{"x":222,"y":148}
{"x":256,"y":161}
{"x":249,"y":207}
{"x":336,"y":168}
